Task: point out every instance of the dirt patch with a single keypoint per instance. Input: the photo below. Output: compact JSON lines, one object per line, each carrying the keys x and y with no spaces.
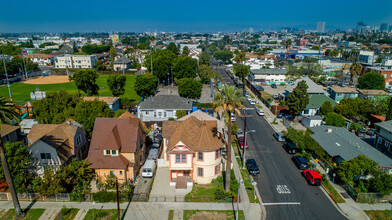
{"x":209,"y":215}
{"x":48,"y":80}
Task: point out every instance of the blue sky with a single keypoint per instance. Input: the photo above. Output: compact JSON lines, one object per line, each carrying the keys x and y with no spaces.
{"x":191,"y":16}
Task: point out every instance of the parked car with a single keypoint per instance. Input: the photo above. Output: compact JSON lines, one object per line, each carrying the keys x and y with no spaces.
{"x":280,"y":115}
{"x":240,"y":133}
{"x":371,"y":131}
{"x":289,"y":117}
{"x":290,"y":148}
{"x":275,"y":96}
{"x":241,"y":141}
{"x":148,"y":168}
{"x":300,"y":162}
{"x":252,"y":167}
{"x":252,"y":102}
{"x":260,"y":112}
{"x":279,"y":136}
{"x":361,"y":132}
{"x":313,"y":177}
{"x":232,"y":118}
{"x":273,"y":86}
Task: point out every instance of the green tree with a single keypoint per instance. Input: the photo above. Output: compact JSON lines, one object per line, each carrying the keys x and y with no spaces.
{"x":224,"y":55}
{"x":311,"y":70}
{"x":185,"y":51}
{"x":239,"y":58}
{"x":334,"y":119}
{"x":180,"y":113}
{"x":297,"y":137}
{"x":242,"y":71}
{"x":116,"y":84}
{"x":205,"y":59}
{"x":7,"y":112}
{"x":86,"y":112}
{"x":357,"y":167}
{"x":143,"y":46}
{"x":189,"y":88}
{"x":389,"y":111}
{"x":113,"y":53}
{"x":185,"y":67}
{"x":371,"y":80}
{"x":206,"y":73}
{"x":326,"y":108}
{"x":90,"y":49}
{"x":355,"y":71}
{"x":299,"y":98}
{"x":229,"y":101}
{"x":85,"y":80}
{"x":381,"y":182}
{"x":100,"y":66}
{"x":354,"y":108}
{"x":145,"y":85}
{"x":162,"y":61}
{"x":173,"y":48}
{"x":212,"y":48}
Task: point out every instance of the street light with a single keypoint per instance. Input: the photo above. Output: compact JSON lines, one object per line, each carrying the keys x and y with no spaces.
{"x":6,"y":75}
{"x":238,"y":197}
{"x":243,"y":156}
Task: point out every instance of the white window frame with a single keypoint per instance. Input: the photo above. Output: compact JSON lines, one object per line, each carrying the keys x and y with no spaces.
{"x":379,"y":140}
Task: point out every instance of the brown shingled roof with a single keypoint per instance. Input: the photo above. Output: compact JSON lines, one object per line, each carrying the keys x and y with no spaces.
{"x":6,"y":129}
{"x":127,"y":114}
{"x":198,"y":136}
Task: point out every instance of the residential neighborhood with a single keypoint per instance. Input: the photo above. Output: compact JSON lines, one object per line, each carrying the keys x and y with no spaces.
{"x":238,"y":120}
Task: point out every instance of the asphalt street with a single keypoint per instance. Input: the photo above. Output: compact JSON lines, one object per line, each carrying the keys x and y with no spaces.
{"x":284,"y":191}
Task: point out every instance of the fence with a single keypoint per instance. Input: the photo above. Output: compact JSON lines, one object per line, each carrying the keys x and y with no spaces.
{"x":373,"y":197}
{"x":350,"y":190}
{"x":61,"y":197}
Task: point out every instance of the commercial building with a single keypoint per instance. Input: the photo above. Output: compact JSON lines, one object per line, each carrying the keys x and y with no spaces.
{"x":320,"y":27}
{"x":268,"y":76}
{"x":75,"y":61}
{"x":366,"y":57}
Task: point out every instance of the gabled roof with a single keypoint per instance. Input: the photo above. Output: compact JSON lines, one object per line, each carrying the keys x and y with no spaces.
{"x":127,"y":114}
{"x":120,"y":61}
{"x":344,"y":90}
{"x":7,"y":129}
{"x":316,"y":101}
{"x":341,"y":142}
{"x":372,"y":92}
{"x":198,"y":136}
{"x":169,"y":102}
{"x":60,"y":136}
{"x":203,"y":116}
{"x":312,"y":86}
{"x":386,"y":125}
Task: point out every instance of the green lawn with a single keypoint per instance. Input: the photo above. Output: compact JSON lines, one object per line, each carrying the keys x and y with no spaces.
{"x":21,"y":91}
{"x":67,"y":214}
{"x":213,"y":214}
{"x":377,"y":214}
{"x":108,"y":214}
{"x":335,"y":194}
{"x":171,"y":215}
{"x":32,"y":214}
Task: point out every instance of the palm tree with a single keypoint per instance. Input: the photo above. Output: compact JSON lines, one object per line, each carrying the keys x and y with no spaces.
{"x":7,"y":113}
{"x":288,"y":44}
{"x":355,"y":71}
{"x":228,"y":101}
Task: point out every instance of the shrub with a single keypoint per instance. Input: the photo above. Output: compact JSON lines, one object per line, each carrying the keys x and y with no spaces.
{"x":103,"y":196}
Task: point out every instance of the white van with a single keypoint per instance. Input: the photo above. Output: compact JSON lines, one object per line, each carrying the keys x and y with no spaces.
{"x":148,"y":169}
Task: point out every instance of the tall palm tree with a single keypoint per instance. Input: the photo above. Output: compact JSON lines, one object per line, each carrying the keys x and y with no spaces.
{"x":228,"y":101}
{"x":355,"y":71}
{"x":7,"y":113}
{"x":288,"y":44}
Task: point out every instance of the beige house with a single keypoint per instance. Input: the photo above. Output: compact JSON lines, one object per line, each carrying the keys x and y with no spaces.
{"x":192,"y":151}
{"x":117,"y":147}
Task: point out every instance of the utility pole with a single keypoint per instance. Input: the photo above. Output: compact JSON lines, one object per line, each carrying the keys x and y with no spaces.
{"x":66,"y":63}
{"x":243,"y":155}
{"x":24,"y":63}
{"x":243,"y":150}
{"x":123,"y":62}
{"x":6,"y":75}
{"x":118,"y":201}
{"x":152,"y":69}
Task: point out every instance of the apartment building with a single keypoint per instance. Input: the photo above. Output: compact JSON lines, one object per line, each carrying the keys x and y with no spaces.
{"x":75,"y":61}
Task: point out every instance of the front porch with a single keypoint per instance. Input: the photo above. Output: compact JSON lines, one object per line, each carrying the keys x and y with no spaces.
{"x":181,"y":178}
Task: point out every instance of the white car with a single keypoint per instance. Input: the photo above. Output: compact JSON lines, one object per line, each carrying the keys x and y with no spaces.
{"x":260,"y":112}
{"x":232,"y":118}
{"x":252,"y":102}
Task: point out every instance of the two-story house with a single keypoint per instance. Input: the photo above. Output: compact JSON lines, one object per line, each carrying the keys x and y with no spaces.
{"x":383,"y":140}
{"x":56,"y":144}
{"x":315,"y":102}
{"x":162,"y":107}
{"x":338,"y":94}
{"x":117,"y":148}
{"x":192,"y":150}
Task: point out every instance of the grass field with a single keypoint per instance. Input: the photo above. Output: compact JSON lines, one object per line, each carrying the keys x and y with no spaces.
{"x":32,"y":214}
{"x":109,"y":214}
{"x":21,"y":91}
{"x":212,"y":214}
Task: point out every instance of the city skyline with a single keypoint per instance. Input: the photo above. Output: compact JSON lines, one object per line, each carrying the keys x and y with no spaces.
{"x":228,"y":16}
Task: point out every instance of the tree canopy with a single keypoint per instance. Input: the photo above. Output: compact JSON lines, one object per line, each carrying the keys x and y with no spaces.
{"x":206,"y":73}
{"x":173,"y":48}
{"x":326,"y":108}
{"x":358,"y":166}
{"x":86,"y":112}
{"x":298,"y":98}
{"x":189,"y":88}
{"x":145,"y":85}
{"x":86,"y":80}
{"x":205,"y":59}
{"x":90,"y":49}
{"x":185,"y":67}
{"x":312,"y":70}
{"x":162,"y":61}
{"x":224,"y":55}
{"x":116,"y":84}
{"x":371,"y":80}
{"x":334,"y":119}
{"x":242,"y":71}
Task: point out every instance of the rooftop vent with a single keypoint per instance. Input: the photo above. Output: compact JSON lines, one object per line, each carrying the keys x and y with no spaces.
{"x":329,"y":130}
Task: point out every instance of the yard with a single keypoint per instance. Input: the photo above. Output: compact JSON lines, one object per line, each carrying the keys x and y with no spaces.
{"x":32,"y":214}
{"x":212,"y":214}
{"x":21,"y":91}
{"x":67,"y":214}
{"x":107,"y":214}
{"x":377,"y":214}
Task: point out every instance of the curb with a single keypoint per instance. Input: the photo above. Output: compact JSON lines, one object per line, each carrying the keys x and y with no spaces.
{"x":263,"y":210}
{"x":329,"y":196}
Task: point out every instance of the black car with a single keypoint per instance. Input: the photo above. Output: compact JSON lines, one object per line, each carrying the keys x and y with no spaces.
{"x":252,"y":167}
{"x":273,"y":86}
{"x":361,"y":132}
{"x":371,"y":131}
{"x":290,"y":148}
{"x":300,"y":162}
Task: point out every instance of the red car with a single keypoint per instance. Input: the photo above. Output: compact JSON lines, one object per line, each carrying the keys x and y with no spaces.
{"x":241,"y":142}
{"x":313,"y":177}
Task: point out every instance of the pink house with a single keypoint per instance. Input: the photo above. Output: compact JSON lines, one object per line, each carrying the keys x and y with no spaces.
{"x":192,"y":151}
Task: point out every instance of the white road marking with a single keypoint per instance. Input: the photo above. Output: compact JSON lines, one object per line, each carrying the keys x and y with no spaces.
{"x":282,"y":189}
{"x":282,"y":203}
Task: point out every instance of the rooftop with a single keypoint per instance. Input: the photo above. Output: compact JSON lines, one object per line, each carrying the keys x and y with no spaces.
{"x":269,"y":71}
{"x":312,"y":86}
{"x":344,"y":90}
{"x":170,"y":102}
{"x":106,"y":99}
{"x":372,"y":92}
{"x":316,"y":101}
{"x":386,"y":125}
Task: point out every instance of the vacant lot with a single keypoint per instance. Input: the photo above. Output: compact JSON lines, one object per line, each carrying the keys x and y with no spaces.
{"x":212,"y":214}
{"x":21,"y":91}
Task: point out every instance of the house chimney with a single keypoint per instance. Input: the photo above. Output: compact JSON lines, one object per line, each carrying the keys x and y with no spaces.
{"x":329,"y":130}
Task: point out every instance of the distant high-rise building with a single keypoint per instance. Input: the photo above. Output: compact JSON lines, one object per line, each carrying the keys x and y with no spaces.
{"x":321,"y":27}
{"x":384,"y":27}
{"x":390,"y":28}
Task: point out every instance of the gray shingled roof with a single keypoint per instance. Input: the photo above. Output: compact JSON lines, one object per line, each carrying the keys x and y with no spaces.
{"x":312,"y":86}
{"x":170,"y":102}
{"x":387,"y":125}
{"x":269,"y":71}
{"x":120,"y":61}
{"x":347,"y":145}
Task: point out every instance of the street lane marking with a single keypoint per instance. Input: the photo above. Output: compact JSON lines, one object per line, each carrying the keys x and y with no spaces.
{"x":282,"y":189}
{"x":282,"y":203}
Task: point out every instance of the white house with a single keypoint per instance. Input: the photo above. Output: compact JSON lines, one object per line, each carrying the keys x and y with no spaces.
{"x":312,"y":121}
{"x":268,"y":76}
{"x":75,"y":61}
